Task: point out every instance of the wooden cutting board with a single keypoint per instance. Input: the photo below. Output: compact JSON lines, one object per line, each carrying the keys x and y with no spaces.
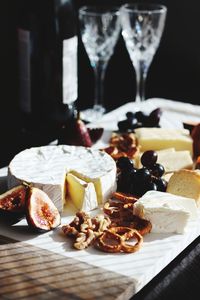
{"x":28,"y":272}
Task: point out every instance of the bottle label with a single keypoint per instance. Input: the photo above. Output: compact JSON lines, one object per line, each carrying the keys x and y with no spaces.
{"x":70,"y":81}
{"x":24,"y":70}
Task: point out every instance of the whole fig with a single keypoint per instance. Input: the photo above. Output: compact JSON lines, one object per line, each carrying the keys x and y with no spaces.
{"x":82,"y":136}
{"x":75,"y":132}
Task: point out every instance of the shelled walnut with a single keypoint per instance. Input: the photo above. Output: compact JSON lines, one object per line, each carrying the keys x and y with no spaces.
{"x":86,"y":229}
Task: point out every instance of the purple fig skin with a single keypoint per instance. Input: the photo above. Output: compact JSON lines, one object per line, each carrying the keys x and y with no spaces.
{"x":41,"y":213}
{"x":13,"y":200}
{"x":83,"y":136}
{"x":76,"y":133}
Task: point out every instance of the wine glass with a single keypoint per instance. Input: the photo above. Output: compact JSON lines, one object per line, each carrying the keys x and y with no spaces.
{"x":142,"y":28}
{"x":100,"y":28}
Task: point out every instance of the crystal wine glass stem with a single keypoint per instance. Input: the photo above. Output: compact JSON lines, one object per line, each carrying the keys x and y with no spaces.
{"x":141,"y":75}
{"x":99,"y":74}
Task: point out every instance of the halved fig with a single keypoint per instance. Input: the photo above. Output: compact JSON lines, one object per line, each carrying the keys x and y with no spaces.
{"x":13,"y":200}
{"x":41,"y":213}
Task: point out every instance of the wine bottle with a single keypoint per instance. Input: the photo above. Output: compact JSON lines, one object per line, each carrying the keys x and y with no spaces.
{"x":47,"y":54}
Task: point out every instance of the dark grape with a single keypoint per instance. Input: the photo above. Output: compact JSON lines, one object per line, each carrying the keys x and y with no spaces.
{"x":137,"y":189}
{"x":141,"y":116}
{"x":149,"y":186}
{"x":149,"y":158}
{"x":132,"y":123}
{"x":130,"y":115}
{"x":127,"y":125}
{"x":157,"y":170}
{"x":139,"y":119}
{"x":124,"y":182}
{"x":123,"y":125}
{"x":142,"y":175}
{"x":139,"y":181}
{"x":161,"y":184}
{"x":124,"y":163}
{"x":132,"y":174}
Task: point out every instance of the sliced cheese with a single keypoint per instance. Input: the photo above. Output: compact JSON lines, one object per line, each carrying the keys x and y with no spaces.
{"x":174,"y":161}
{"x":162,"y":156}
{"x":81,"y":193}
{"x":166,"y":212}
{"x":185,"y":183}
{"x":161,"y":138}
{"x":46,"y":168}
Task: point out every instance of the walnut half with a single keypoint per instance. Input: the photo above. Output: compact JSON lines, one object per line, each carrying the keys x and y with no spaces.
{"x":86,"y":229}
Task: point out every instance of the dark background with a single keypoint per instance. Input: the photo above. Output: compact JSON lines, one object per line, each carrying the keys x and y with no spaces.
{"x":173,"y":74}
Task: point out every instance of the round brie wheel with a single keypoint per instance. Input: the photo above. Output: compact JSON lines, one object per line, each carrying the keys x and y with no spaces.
{"x":46,"y":167}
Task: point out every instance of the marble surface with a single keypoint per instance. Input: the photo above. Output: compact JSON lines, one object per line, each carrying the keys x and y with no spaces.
{"x":157,"y":251}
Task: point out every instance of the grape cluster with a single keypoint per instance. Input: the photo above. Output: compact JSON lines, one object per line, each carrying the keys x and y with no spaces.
{"x":138,"y":181}
{"x":140,"y":119}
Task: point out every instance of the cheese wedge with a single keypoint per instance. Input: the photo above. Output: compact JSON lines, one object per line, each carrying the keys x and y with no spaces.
{"x":161,"y":138}
{"x":166,"y":212}
{"x":81,"y":193}
{"x":101,"y":185}
{"x":185,"y":183}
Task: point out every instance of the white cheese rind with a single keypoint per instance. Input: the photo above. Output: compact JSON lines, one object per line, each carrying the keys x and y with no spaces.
{"x":45,"y":167}
{"x":167,"y":213}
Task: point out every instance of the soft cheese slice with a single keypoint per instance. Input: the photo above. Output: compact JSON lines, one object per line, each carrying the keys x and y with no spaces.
{"x":167,"y":213}
{"x":45,"y":167}
{"x":81,"y":193}
{"x":161,"y":138}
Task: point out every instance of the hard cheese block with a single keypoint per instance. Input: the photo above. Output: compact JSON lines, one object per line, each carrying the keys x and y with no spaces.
{"x":46,"y":168}
{"x":161,"y":138}
{"x":167,"y":213}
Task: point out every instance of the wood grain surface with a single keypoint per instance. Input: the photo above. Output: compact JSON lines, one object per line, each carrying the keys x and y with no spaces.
{"x":28,"y":272}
